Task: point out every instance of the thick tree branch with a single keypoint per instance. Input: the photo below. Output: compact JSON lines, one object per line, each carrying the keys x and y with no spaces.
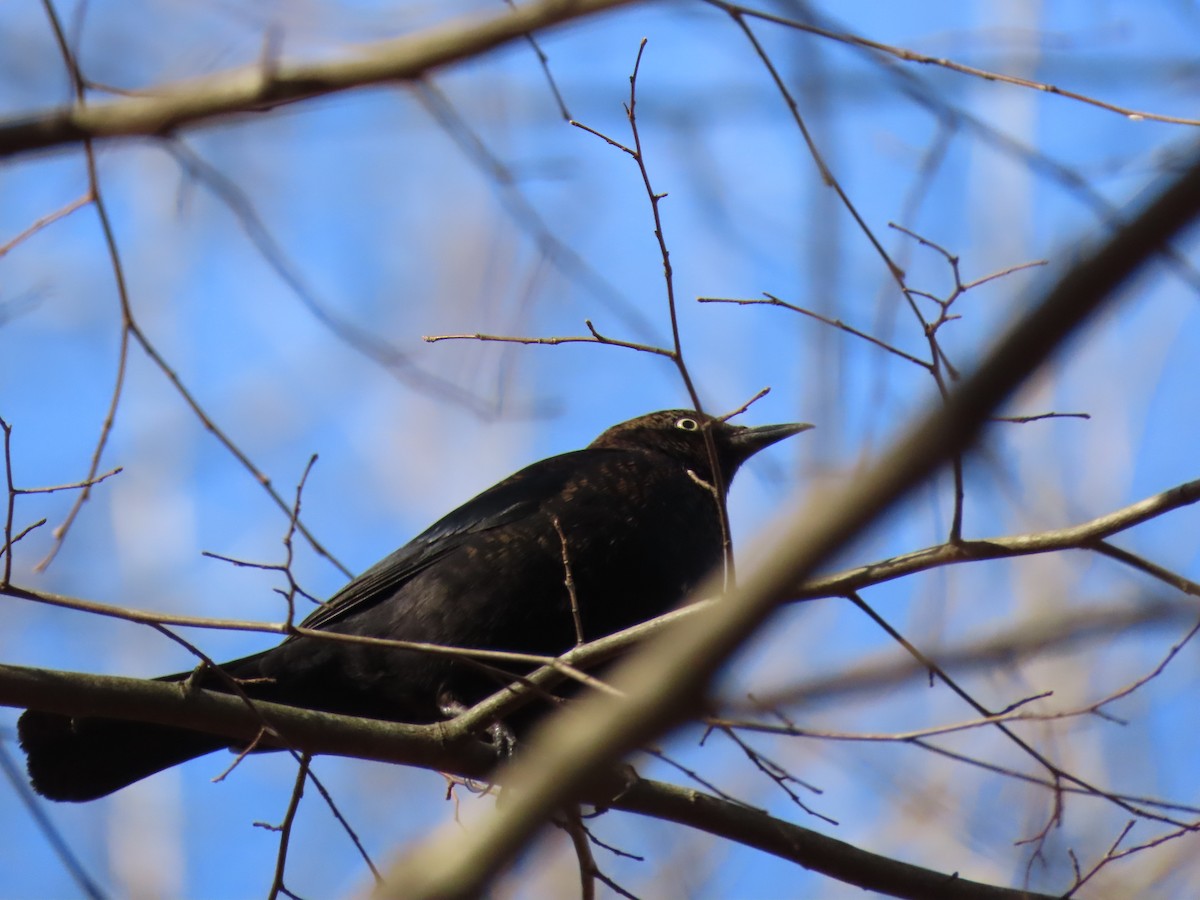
{"x":1085,"y":535}
{"x":813,"y":850}
{"x":304,"y":730}
{"x":433,"y":746}
{"x":276,"y":83}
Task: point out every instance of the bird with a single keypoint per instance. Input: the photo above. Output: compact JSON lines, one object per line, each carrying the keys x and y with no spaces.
{"x":632,"y":522}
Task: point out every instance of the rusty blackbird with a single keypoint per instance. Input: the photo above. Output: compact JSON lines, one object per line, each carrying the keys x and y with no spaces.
{"x":633,"y":515}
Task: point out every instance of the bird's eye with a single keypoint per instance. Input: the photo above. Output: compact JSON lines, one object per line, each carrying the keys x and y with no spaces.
{"x":687,"y":424}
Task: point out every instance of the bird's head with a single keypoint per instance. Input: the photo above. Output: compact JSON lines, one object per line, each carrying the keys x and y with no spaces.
{"x":680,"y":433}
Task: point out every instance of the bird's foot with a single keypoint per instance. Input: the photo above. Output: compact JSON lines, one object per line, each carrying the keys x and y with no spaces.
{"x":450,"y":707}
{"x":500,"y":736}
{"x":504,"y":742}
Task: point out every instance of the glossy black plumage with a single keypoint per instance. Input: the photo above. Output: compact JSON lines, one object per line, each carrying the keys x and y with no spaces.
{"x":641,"y":530}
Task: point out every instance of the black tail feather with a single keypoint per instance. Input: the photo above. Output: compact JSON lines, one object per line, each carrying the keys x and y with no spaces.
{"x":80,"y":758}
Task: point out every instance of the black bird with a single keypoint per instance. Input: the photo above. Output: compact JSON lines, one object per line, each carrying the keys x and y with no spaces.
{"x":639,"y":524}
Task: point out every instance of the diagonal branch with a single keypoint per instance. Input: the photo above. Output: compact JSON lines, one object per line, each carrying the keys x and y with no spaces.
{"x":1090,"y":534}
{"x":668,"y":677}
{"x":906,"y":55}
{"x":813,"y":850}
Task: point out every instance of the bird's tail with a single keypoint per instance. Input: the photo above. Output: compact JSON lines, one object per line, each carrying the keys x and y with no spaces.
{"x":80,"y":758}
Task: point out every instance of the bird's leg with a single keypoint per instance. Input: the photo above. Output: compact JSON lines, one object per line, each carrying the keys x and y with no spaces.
{"x":450,"y":706}
{"x":503,"y":741}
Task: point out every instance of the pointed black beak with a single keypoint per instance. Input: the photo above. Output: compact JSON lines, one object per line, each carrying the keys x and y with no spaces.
{"x":749,"y":440}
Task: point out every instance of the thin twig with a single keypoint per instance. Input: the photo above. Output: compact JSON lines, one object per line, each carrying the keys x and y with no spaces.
{"x":46,"y":220}
{"x":341,"y":819}
{"x":93,"y":196}
{"x":544,"y":61}
{"x":1056,"y":771}
{"x":1109,"y":856}
{"x":612,"y":142}
{"x":906,"y":55}
{"x":74,"y":486}
{"x":572,"y":824}
{"x":130,"y":330}
{"x":772,"y":300}
{"x":10,"y":506}
{"x":778,"y":775}
{"x":285,"y":827}
{"x":569,"y":581}
{"x":595,"y":338}
{"x":745,"y":406}
{"x":1021,"y":420}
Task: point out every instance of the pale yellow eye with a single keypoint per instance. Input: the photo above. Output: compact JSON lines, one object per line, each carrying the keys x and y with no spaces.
{"x":687,"y":424}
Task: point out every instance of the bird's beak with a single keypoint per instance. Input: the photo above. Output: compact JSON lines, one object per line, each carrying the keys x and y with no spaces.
{"x":749,"y":440}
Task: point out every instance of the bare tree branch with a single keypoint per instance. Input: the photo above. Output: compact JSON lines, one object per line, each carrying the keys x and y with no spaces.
{"x":427,"y":745}
{"x":903,"y":53}
{"x":276,"y":83}
{"x":813,"y":850}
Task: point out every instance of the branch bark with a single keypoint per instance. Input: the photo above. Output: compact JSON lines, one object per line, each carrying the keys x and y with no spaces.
{"x":304,"y":730}
{"x":428,"y":746}
{"x":275,"y":83}
{"x":837,"y":859}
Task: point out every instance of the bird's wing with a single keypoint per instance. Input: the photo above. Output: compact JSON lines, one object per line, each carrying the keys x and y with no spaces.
{"x":515,"y":498}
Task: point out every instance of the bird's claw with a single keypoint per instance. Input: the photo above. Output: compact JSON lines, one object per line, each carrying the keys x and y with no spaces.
{"x":500,"y":736}
{"x":504,"y":742}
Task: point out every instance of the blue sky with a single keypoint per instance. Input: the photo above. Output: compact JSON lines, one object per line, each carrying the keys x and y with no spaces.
{"x":390,"y":223}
